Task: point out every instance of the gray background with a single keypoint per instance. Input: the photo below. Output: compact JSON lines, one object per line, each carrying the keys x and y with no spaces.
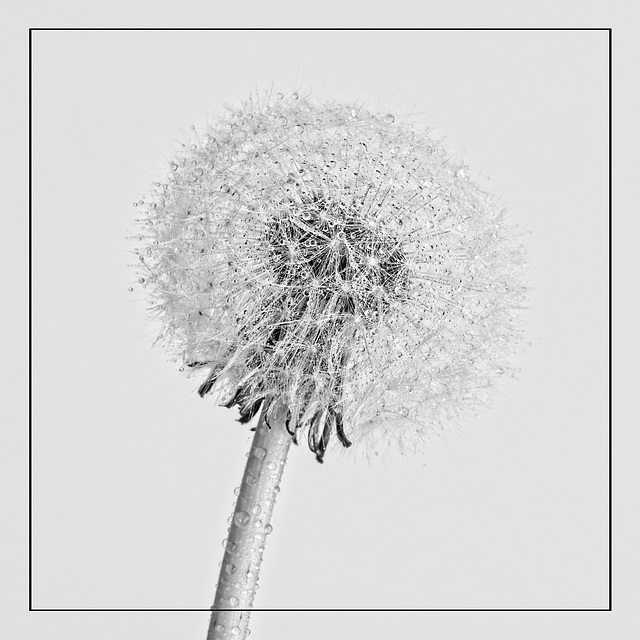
{"x":134,"y":474}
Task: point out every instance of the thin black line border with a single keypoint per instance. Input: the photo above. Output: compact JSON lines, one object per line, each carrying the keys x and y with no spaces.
{"x":31,"y":30}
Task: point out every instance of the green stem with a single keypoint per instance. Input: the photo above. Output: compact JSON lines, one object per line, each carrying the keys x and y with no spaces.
{"x":250,"y":525}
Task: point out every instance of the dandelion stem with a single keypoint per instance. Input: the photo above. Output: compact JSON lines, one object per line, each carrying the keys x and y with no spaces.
{"x":250,"y":525}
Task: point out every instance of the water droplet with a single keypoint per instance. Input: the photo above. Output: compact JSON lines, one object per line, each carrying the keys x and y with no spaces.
{"x":220,"y":629}
{"x":241,"y":518}
{"x":389,"y":118}
{"x":256,"y":510}
{"x":294,"y":95}
{"x":271,"y":465}
{"x":268,"y":529}
{"x":230,"y":568}
{"x":235,"y":631}
{"x":259,"y":523}
{"x":130,"y":288}
{"x":236,"y":491}
{"x":299,"y":128}
{"x":141,"y":280}
{"x":279,"y":96}
{"x":225,"y":188}
{"x":233,"y":601}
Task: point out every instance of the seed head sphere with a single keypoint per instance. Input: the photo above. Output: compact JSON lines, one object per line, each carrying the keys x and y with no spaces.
{"x":334,"y":262}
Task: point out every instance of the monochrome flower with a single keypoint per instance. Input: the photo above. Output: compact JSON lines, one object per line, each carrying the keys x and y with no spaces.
{"x":336,"y":262}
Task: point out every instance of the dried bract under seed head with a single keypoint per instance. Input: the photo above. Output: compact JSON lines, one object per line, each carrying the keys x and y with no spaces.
{"x":335,"y":260}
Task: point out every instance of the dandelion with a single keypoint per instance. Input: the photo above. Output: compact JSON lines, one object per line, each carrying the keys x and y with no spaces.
{"x":336,"y":273}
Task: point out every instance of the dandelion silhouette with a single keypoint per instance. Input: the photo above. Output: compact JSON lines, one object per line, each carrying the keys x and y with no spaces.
{"x":337,"y":273}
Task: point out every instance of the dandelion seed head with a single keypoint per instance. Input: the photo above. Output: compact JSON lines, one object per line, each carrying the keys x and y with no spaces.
{"x":338,"y":261}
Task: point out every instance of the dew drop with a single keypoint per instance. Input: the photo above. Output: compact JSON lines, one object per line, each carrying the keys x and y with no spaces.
{"x":236,"y":491}
{"x":241,"y":518}
{"x":230,"y":568}
{"x":130,"y":288}
{"x":225,"y":188}
{"x":234,"y":602}
{"x":294,"y":95}
{"x":235,"y":631}
{"x":220,"y":629}
{"x":299,"y":128}
{"x":282,"y":120}
{"x":260,"y":453}
{"x":141,"y":280}
{"x":389,"y":118}
{"x":271,"y":465}
{"x":279,"y":96}
{"x":268,"y":529}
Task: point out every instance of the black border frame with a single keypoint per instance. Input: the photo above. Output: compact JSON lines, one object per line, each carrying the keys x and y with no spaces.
{"x":610,"y":32}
